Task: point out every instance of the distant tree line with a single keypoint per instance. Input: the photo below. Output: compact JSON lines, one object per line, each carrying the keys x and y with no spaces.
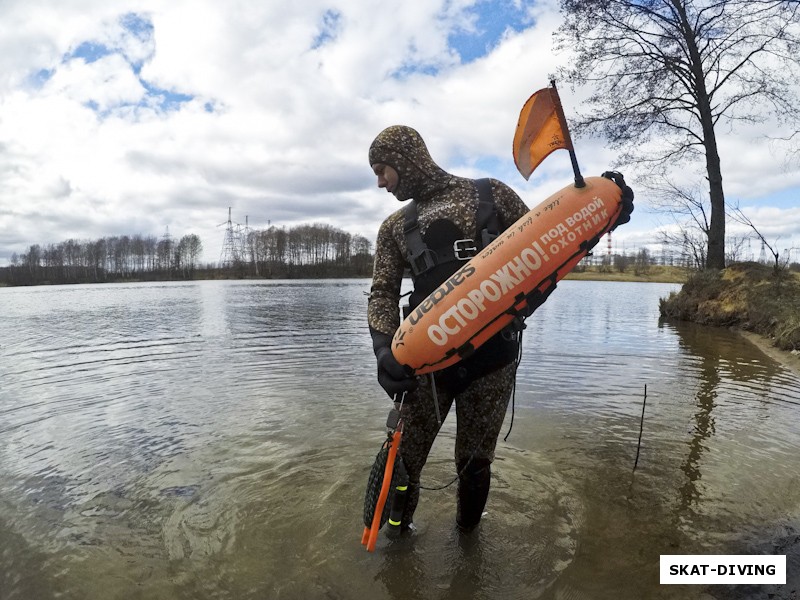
{"x":304,"y":251}
{"x":690,"y":256}
{"x":116,"y":258}
{"x":316,"y":250}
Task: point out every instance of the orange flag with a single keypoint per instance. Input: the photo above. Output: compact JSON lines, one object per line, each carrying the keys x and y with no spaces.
{"x":541,"y":129}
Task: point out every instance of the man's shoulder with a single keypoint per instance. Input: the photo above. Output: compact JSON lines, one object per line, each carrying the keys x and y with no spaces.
{"x":392,"y":226}
{"x":395,"y":219}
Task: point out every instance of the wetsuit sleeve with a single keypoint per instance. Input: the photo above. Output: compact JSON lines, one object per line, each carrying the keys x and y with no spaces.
{"x":509,"y":205}
{"x":383,"y":313}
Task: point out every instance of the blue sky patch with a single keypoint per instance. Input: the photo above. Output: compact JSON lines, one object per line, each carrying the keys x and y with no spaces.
{"x":139,"y":26}
{"x":491,"y":19}
{"x":408,"y":69}
{"x":329,"y":28}
{"x":141,"y":29}
{"x":41,"y":77}
{"x":491,"y":166}
{"x":166,"y":100}
{"x":788,"y":198}
{"x":89,"y":52}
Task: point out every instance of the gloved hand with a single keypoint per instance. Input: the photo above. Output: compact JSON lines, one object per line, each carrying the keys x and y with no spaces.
{"x":627,"y":197}
{"x":392,"y":376}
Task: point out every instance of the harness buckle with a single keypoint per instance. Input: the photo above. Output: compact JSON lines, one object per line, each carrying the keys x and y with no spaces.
{"x":422,"y":262}
{"x":487,"y":237}
{"x":465,"y":245}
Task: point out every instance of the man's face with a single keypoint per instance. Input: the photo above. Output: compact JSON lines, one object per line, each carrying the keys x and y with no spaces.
{"x":387,"y":177}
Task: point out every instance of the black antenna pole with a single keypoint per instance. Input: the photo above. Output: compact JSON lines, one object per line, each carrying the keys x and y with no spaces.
{"x":579,"y":182}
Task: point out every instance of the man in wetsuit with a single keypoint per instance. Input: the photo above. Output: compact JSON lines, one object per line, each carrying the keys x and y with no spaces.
{"x":446,"y":209}
{"x":449,"y":220}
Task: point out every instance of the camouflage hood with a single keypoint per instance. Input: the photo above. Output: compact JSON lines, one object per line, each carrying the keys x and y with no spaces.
{"x":403,"y":149}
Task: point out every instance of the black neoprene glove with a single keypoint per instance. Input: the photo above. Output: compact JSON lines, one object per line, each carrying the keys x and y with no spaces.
{"x":392,"y":376}
{"x":627,"y":197}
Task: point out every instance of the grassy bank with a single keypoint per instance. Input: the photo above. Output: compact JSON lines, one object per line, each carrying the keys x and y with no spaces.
{"x":653,"y":274}
{"x":750,"y":296}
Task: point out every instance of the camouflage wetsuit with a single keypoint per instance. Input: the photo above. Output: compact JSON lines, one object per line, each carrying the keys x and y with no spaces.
{"x":480,"y":403}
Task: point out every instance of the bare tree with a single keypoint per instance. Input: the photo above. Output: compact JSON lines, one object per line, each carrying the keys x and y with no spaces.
{"x":737,"y":215}
{"x":673,"y":71}
{"x":188,"y":253}
{"x":362,"y":253}
{"x":684,"y":202}
{"x":692,"y":253}
{"x":641,"y":265}
{"x":34,"y":258}
{"x":688,"y":207}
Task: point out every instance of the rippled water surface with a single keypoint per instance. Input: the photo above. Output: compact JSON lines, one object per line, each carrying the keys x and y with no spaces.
{"x":213,"y":440}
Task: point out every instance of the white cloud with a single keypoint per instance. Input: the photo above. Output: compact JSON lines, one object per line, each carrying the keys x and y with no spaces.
{"x":133,"y":116}
{"x":107,"y":83}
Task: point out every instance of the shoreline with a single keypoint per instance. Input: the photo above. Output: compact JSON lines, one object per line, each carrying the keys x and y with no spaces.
{"x":654,"y":275}
{"x":786,"y":358}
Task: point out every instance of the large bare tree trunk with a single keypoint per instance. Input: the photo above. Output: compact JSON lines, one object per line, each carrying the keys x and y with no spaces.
{"x":715,"y":257}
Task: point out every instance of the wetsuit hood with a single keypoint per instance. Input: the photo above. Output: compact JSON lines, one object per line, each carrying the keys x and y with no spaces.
{"x":403,"y":149}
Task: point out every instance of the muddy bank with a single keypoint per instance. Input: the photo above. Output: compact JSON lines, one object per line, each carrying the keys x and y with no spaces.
{"x":748,"y":296}
{"x":788,"y":358}
{"x":785,"y":542}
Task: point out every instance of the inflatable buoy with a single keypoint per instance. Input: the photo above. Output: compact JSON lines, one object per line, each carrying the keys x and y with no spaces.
{"x":511,"y":277}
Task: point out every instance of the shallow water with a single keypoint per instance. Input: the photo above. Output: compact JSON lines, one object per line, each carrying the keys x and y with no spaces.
{"x":213,"y":440}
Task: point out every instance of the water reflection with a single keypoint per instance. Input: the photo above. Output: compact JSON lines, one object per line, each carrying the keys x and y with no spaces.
{"x":213,"y":439}
{"x":709,"y":377}
{"x":739,"y":398}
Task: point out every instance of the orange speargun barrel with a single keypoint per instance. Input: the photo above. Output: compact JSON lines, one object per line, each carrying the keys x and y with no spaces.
{"x":370,"y":535}
{"x":518,"y":268}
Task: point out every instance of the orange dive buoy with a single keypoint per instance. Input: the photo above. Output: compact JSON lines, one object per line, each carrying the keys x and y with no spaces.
{"x":511,"y":277}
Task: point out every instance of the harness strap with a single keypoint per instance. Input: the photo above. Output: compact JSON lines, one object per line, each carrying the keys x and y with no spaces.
{"x":487,"y":228}
{"x":420,"y":256}
{"x":487,"y":223}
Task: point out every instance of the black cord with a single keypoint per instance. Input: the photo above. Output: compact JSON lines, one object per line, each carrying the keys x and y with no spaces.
{"x":447,"y":485}
{"x":472,"y":455}
{"x":514,"y":388}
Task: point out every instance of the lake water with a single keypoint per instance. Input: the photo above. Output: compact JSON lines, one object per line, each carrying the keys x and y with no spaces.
{"x":213,"y":440}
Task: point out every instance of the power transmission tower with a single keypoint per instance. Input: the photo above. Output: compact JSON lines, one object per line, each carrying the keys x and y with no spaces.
{"x":167,"y":238}
{"x":231,"y":245}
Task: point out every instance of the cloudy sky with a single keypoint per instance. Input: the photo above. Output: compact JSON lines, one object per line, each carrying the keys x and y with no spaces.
{"x":138,"y":116}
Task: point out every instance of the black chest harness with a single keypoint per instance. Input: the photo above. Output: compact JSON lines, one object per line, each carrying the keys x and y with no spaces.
{"x":423,"y":259}
{"x":435,"y":257}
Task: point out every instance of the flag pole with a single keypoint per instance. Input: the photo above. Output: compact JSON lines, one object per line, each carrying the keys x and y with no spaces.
{"x":579,"y":182}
